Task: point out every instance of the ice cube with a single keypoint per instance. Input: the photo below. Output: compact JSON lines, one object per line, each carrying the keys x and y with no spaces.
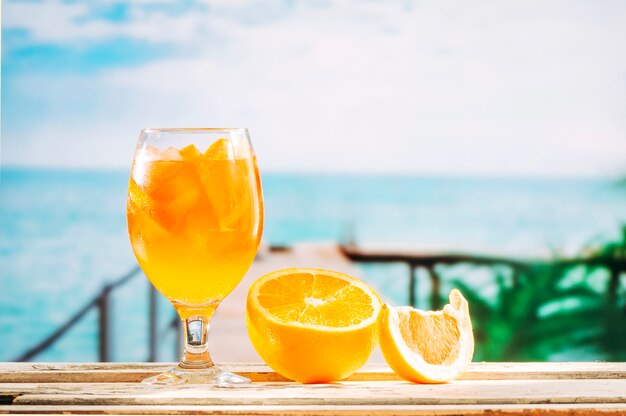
{"x":171,"y":154}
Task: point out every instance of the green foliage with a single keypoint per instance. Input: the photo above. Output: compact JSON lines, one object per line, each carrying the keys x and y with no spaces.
{"x":551,"y":312}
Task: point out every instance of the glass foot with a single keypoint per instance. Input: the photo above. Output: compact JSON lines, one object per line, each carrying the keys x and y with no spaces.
{"x":212,"y":375}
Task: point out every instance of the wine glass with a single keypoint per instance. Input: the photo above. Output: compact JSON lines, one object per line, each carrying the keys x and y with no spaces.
{"x":195,"y":219}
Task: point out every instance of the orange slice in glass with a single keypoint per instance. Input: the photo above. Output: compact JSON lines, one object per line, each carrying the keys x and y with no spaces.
{"x":221,"y":149}
{"x":190,"y":152}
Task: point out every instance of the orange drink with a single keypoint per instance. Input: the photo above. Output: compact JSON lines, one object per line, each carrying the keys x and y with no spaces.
{"x":195,"y":218}
{"x":192,"y":221}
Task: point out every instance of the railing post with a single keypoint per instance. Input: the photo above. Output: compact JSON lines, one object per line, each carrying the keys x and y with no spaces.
{"x":515,"y":276}
{"x":100,"y":301}
{"x":613,"y":285}
{"x":178,"y":344}
{"x":412,"y":283}
{"x":152,"y":323}
{"x":103,"y":327}
{"x":435,"y":287}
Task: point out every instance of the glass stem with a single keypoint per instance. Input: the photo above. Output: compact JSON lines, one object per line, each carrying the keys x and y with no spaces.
{"x":196,"y":323}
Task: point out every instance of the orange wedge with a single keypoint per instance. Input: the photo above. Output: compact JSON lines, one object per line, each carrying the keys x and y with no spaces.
{"x":312,"y":325}
{"x":221,"y":149}
{"x":190,"y":152}
{"x":428,"y":346}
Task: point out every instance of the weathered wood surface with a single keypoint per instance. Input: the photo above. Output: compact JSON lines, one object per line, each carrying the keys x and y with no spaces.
{"x":421,"y":410}
{"x":487,"y":388}
{"x":134,"y":372}
{"x":339,"y":394}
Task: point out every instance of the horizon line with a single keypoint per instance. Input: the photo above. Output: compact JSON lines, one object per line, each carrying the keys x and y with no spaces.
{"x":361,"y":173}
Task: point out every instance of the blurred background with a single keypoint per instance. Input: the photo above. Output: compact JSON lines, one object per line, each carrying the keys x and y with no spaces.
{"x":494,"y":132}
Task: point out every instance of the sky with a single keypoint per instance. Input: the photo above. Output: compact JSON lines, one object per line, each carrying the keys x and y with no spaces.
{"x":459,"y":87}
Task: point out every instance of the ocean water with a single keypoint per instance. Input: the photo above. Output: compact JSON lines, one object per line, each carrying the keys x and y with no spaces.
{"x":63,"y":235}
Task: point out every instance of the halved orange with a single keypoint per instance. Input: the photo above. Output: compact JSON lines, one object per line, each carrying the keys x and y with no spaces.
{"x":428,"y":346}
{"x":312,"y":325}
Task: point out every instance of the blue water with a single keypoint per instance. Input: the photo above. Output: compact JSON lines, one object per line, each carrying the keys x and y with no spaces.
{"x":63,"y":235}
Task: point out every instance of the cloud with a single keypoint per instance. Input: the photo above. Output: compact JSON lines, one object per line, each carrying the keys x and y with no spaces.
{"x":56,"y":21}
{"x":521,"y":88}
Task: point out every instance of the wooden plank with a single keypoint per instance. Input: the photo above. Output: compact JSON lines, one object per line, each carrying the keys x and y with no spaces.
{"x":134,"y":372}
{"x":421,"y":410}
{"x":382,"y":393}
{"x":487,"y":388}
{"x":111,"y":372}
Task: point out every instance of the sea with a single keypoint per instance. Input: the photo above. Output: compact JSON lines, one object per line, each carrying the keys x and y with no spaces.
{"x":63,"y":236}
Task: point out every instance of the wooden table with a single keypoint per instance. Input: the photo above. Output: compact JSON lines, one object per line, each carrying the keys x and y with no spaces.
{"x":487,"y":388}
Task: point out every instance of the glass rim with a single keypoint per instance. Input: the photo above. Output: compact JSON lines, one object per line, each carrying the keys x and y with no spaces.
{"x":193,"y":129}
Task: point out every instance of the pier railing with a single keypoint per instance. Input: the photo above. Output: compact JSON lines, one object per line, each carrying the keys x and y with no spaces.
{"x":101,"y":302}
{"x":427,"y":261}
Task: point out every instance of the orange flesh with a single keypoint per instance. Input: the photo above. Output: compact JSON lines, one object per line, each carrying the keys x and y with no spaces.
{"x":315,"y":299}
{"x":442,"y":329}
{"x":194,"y":220}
